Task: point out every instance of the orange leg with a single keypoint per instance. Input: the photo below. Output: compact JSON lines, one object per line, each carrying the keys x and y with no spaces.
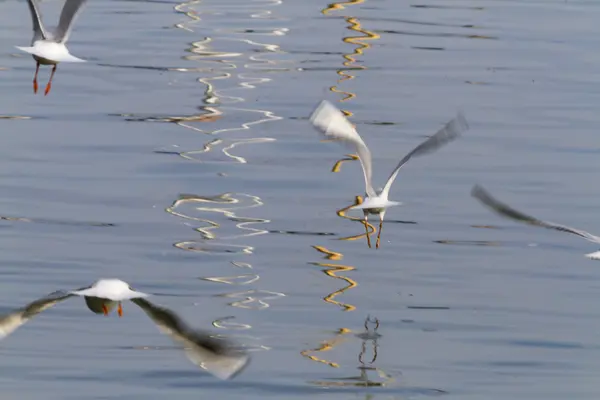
{"x":366,"y":222}
{"x":105,"y":309}
{"x":120,"y":310}
{"x":35,"y":85}
{"x":379,"y":233}
{"x":49,"y":85}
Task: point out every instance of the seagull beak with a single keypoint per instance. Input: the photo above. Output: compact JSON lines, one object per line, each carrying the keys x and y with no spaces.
{"x":120,"y":310}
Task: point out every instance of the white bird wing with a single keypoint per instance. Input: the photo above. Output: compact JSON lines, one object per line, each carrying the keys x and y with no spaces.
{"x":333,"y":124}
{"x":13,"y":320}
{"x":214,"y":355}
{"x":39,"y":32}
{"x":67,"y":17}
{"x":506,"y":211}
{"x":447,"y":134}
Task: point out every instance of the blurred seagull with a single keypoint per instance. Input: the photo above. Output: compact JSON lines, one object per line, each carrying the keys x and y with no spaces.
{"x":104,"y":294}
{"x":506,"y":211}
{"x":332,"y":123}
{"x":48,"y":48}
{"x":217,"y":356}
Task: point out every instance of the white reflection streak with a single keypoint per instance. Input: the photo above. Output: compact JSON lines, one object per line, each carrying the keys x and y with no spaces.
{"x":221,"y":65}
{"x":244,"y":279}
{"x":208,"y":147}
{"x":191,"y":14}
{"x":269,"y":116}
{"x":194,"y":247}
{"x":253,"y":299}
{"x":242,"y":222}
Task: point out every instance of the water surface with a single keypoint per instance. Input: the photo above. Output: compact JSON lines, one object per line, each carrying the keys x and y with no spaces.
{"x":180,"y":159}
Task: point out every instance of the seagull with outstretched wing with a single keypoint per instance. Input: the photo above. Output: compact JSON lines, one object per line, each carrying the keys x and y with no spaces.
{"x":334,"y":125}
{"x":49,"y":47}
{"x":216,"y":356}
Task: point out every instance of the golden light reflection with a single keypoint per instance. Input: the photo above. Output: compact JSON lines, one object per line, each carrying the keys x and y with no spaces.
{"x":332,"y":270}
{"x":369,"y":228}
{"x":325,"y":346}
{"x":349,"y":64}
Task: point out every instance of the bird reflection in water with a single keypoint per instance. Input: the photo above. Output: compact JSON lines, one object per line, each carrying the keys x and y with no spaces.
{"x":369,"y":375}
{"x":217,"y":356}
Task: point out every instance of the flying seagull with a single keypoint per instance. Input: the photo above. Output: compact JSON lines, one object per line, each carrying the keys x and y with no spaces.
{"x":216,"y":356}
{"x":333,"y":124}
{"x":49,"y":48}
{"x":506,"y":211}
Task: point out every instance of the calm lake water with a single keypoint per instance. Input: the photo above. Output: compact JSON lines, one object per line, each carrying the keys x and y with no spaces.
{"x":180,"y":159}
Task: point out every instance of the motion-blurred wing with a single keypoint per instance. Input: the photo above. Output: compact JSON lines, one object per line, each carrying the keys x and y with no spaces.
{"x":214,"y":355}
{"x":39,"y":32}
{"x":332,"y":123}
{"x":447,"y":134}
{"x":11,"y":321}
{"x":67,"y":17}
{"x":506,"y":211}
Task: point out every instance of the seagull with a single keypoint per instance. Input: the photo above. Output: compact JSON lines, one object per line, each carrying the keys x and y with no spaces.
{"x":334,"y":125}
{"x":216,"y":356}
{"x":506,"y":211}
{"x":103,"y":295}
{"x":48,"y":48}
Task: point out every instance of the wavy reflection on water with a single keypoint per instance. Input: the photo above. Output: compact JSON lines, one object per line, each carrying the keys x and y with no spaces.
{"x":191,"y":207}
{"x":232,"y":62}
{"x":332,"y":270}
{"x":252,"y":299}
{"x":369,"y":228}
{"x":370,"y":375}
{"x":220,"y":213}
{"x":243,"y":279}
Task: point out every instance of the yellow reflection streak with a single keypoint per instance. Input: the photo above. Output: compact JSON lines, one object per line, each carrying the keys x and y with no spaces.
{"x":369,"y":229}
{"x":332,"y":271}
{"x":361,"y":44}
{"x":326,"y":346}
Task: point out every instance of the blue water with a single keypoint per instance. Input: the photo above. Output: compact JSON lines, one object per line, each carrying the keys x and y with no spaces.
{"x":180,"y":159}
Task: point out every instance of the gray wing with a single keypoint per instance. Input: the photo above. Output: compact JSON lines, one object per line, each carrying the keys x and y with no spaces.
{"x":447,"y":134}
{"x":333,"y":124}
{"x":67,"y":17}
{"x":506,"y":211}
{"x":214,"y":355}
{"x":39,"y":32}
{"x":11,"y":321}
